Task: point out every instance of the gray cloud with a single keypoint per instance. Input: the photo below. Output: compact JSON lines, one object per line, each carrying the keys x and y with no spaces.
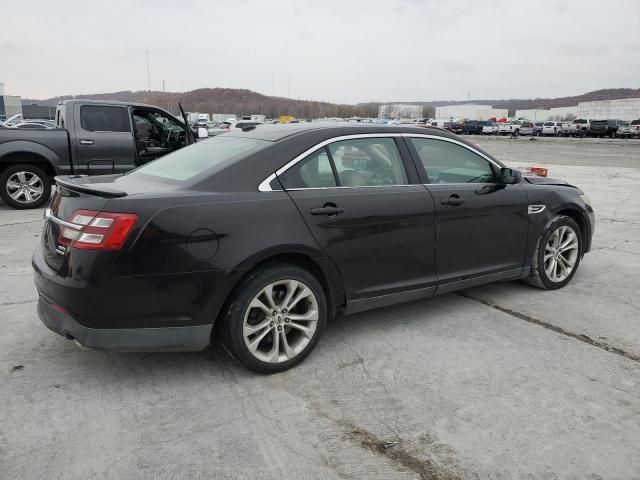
{"x":343,"y":51}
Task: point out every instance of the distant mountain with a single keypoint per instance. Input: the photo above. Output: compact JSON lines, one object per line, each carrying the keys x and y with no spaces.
{"x":228,"y":100}
{"x":245,"y":102}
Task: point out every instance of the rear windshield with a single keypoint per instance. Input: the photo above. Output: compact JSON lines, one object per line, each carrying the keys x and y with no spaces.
{"x":202,"y":159}
{"x":581,"y":120}
{"x":549,"y":124}
{"x":635,"y":122}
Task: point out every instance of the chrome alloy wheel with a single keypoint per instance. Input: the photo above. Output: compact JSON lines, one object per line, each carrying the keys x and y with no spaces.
{"x":280,"y":321}
{"x":25,"y":187}
{"x":561,"y":253}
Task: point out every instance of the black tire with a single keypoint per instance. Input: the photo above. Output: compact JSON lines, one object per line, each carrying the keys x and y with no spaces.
{"x":538,"y":276}
{"x":232,"y":323}
{"x":9,"y":172}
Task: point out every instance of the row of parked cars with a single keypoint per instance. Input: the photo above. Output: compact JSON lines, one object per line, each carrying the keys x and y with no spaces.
{"x":576,"y":128}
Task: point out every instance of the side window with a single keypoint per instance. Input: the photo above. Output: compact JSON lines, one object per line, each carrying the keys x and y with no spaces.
{"x":447,"y":162}
{"x":99,"y":118}
{"x":313,"y":172}
{"x":368,"y":162}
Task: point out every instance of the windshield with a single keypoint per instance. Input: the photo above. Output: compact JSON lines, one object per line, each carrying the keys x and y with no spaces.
{"x":204,"y":158}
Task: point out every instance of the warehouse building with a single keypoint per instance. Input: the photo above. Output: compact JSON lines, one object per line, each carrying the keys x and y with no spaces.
{"x":470,"y":111}
{"x":622,"y":109}
{"x":534,"y":114}
{"x":10,"y":105}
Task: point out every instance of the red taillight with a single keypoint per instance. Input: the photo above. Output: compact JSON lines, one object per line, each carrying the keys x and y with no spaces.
{"x":98,"y":230}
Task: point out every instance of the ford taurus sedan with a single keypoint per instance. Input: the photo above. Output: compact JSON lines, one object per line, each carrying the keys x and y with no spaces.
{"x":258,"y":237}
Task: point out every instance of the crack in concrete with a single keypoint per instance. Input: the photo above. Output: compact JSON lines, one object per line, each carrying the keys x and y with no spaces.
{"x":19,"y":223}
{"x":578,"y":336}
{"x":22,"y":302}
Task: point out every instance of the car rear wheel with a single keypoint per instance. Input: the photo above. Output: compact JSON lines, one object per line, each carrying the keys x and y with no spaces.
{"x":557,"y":254}
{"x":275,"y":318}
{"x":24,"y":186}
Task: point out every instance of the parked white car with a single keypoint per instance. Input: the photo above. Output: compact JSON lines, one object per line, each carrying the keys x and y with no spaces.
{"x":490,"y":129}
{"x":551,"y":129}
{"x":634,"y":128}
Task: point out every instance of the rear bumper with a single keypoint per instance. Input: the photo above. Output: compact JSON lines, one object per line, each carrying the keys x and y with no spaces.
{"x":124,"y":339}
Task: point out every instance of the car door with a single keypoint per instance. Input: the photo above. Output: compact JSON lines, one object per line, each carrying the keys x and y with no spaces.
{"x":358,"y":200}
{"x":104,"y":139}
{"x":481,"y":223}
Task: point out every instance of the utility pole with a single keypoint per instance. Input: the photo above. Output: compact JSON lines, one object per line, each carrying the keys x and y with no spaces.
{"x":163,"y":86}
{"x":148,"y":72}
{"x":288,"y":86}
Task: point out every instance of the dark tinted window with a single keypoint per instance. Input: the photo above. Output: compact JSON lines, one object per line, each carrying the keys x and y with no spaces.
{"x":635,"y":122}
{"x":447,"y":162}
{"x":312,"y":172}
{"x":100,"y":118}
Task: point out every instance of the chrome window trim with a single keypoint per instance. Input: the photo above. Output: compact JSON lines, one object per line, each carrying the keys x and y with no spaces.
{"x":265,"y":187}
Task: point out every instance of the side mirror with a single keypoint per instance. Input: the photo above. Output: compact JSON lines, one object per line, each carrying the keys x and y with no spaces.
{"x":509,"y":176}
{"x":203,"y":132}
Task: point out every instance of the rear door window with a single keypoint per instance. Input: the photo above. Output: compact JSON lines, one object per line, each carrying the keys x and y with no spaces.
{"x":102,"y":118}
{"x":315,"y":171}
{"x":368,"y":162}
{"x":363,"y":162}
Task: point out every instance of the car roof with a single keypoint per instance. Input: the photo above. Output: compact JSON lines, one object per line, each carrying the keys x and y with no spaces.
{"x":275,"y":133}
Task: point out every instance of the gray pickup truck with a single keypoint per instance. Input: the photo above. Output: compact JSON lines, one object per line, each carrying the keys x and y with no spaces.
{"x":91,"y":138}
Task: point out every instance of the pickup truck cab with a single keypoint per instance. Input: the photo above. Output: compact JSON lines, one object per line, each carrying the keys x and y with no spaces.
{"x":90,"y":138}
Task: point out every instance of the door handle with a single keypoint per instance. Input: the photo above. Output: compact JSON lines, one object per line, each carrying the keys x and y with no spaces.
{"x":454,"y":200}
{"x":328,"y":209}
{"x":86,"y":142}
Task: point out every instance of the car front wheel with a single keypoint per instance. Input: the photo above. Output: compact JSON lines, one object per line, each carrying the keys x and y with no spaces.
{"x":557,"y":254}
{"x":275,"y":318}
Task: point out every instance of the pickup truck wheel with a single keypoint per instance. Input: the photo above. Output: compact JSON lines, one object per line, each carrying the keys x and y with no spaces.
{"x":24,"y":186}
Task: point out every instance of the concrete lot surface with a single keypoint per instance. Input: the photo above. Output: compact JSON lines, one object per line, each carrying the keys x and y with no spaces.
{"x":499,"y":382}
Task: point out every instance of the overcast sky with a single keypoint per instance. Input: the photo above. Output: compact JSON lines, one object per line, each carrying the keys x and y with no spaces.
{"x":333,"y":50}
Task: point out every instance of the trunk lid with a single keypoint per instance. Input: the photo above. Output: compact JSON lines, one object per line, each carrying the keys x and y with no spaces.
{"x":73,"y":193}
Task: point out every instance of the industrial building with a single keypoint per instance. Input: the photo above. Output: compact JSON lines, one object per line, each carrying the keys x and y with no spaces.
{"x":400,"y":111}
{"x":621,"y":109}
{"x":10,"y":105}
{"x":534,"y":114}
{"x":470,"y":111}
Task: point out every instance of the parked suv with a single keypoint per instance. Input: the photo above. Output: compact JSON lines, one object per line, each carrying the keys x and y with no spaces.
{"x":605,"y":128}
{"x":474,"y":127}
{"x":527,"y":128}
{"x":491,"y":128}
{"x":634,"y":128}
{"x":551,"y":128}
